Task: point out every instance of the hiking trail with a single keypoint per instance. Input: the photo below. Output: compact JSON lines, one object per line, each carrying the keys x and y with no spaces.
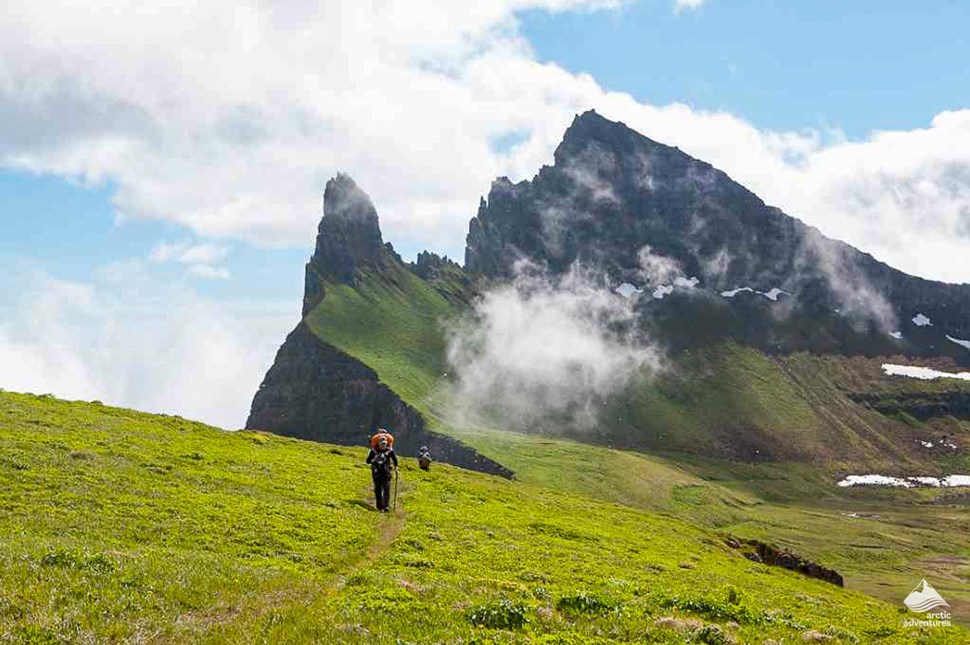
{"x":389,"y":526}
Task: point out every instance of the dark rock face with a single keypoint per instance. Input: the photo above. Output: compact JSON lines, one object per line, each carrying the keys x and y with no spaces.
{"x":349,"y":237}
{"x":314,"y":391}
{"x":613,"y":192}
{"x":429,"y":265}
{"x":920,"y":405}
{"x":770,"y":555}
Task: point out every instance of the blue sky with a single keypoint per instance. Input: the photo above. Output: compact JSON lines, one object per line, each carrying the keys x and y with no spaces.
{"x":857,"y":66}
{"x":187,"y":154}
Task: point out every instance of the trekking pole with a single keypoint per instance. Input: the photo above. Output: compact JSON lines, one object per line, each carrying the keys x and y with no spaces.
{"x":396,"y":478}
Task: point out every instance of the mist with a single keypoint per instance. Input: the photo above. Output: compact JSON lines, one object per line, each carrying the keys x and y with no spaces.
{"x":543,"y":351}
{"x":860,"y":300}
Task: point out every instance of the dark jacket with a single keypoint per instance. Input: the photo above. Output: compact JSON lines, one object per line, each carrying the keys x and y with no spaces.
{"x":380,"y":461}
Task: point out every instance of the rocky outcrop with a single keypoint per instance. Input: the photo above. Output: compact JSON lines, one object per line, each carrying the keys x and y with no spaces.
{"x":429,"y":265}
{"x":764,"y":553}
{"x":612,"y":193}
{"x":348,"y":238}
{"x":314,"y":391}
{"x":919,"y":405}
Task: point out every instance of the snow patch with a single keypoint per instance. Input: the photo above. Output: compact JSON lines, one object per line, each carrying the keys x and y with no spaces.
{"x":926,"y":444}
{"x":873,"y":480}
{"x":663,"y":290}
{"x":921,"y":321}
{"x":898,"y":335}
{"x":965,"y":343}
{"x":627,"y":290}
{"x":923,"y":373}
{"x":734,"y":292}
{"x":952,"y":481}
{"x":687,"y":283}
{"x":772,"y":294}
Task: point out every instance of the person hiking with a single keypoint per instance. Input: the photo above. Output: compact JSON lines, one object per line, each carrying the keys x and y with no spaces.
{"x":383,"y":463}
{"x":424,"y":458}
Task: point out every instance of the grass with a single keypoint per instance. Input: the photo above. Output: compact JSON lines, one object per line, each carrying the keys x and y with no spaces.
{"x":118,"y":526}
{"x":393,"y":322}
{"x":882,"y":540}
{"x":787,"y":425}
{"x":638,"y":480}
{"x":715,"y":401}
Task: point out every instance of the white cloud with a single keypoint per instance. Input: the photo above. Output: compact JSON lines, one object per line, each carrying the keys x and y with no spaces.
{"x":186,"y":253}
{"x":229,"y":118}
{"x":209,"y":272}
{"x":130,"y":339}
{"x":539,"y":352}
{"x":683,"y":5}
{"x":200,"y":258}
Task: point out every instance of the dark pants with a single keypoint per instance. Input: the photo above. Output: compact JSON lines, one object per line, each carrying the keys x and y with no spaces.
{"x":382,"y":490}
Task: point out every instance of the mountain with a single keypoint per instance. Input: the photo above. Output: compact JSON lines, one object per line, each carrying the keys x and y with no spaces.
{"x":613,"y":193}
{"x":774,"y":333}
{"x":771,"y":390}
{"x":316,"y":391}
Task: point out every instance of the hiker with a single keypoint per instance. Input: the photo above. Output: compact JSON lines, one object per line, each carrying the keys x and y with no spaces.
{"x":424,"y":458}
{"x":383,"y":463}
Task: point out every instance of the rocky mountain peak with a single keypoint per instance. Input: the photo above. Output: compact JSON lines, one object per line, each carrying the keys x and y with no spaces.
{"x":349,"y":236}
{"x":349,"y":221}
{"x":624,"y":204}
{"x":591,"y":129}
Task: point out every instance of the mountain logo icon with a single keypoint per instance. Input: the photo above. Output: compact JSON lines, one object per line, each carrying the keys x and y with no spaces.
{"x":924,"y":597}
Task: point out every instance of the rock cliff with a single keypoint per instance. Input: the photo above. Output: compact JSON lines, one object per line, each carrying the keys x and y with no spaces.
{"x":617,"y":201}
{"x":315,"y":391}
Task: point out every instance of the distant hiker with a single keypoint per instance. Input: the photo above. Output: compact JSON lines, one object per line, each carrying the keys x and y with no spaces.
{"x":424,"y":458}
{"x":383,"y":463}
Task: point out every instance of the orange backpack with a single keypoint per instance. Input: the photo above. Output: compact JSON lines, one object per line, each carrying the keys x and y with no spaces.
{"x":382,"y":434}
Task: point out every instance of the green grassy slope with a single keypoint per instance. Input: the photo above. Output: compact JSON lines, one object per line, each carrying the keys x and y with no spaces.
{"x":118,"y":526}
{"x":714,"y":401}
{"x":391,"y":321}
{"x":721,"y":400}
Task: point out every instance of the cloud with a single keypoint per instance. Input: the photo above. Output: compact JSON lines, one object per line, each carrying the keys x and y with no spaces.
{"x":859,"y":300}
{"x":538,"y":352}
{"x":687,"y":5}
{"x":229,"y":118}
{"x":186,"y":253}
{"x":209,"y":272}
{"x":130,"y":339}
{"x":657,"y":269}
{"x":201,"y":258}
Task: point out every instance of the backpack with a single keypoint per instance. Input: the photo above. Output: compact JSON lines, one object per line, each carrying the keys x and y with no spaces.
{"x":381,"y":462}
{"x":382,"y":434}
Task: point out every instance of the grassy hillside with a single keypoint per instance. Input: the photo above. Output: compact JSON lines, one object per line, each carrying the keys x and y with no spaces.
{"x":723,"y":400}
{"x":393,"y":322}
{"x":788,"y":422}
{"x":118,"y":526}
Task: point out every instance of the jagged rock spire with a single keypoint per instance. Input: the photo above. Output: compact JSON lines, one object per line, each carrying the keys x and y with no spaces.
{"x":348,"y":237}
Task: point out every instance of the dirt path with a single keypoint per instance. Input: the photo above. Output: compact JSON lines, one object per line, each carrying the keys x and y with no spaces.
{"x":389,"y":526}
